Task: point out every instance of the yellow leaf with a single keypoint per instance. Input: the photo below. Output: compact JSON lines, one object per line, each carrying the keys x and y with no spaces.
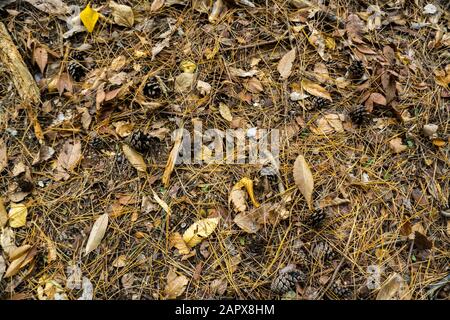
{"x":176,"y":240}
{"x":225,"y":112}
{"x":188,"y":66}
{"x":17,"y":215}
{"x":89,"y":17}
{"x":199,"y":231}
{"x":304,"y":179}
{"x":315,"y":89}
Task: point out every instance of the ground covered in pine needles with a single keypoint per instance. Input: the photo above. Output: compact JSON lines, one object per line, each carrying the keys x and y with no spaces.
{"x":360,"y":90}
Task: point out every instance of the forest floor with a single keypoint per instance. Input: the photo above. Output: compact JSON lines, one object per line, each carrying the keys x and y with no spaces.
{"x":357,"y":207}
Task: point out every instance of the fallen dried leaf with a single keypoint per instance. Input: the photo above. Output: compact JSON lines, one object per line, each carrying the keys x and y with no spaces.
{"x":315,"y":89}
{"x":397,"y":146}
{"x":97,"y":233}
{"x":176,"y":240}
{"x":199,"y":230}
{"x":17,"y":215}
{"x":175,"y":284}
{"x":285,"y":65}
{"x":122,"y":14}
{"x":135,"y":158}
{"x":225,"y":112}
{"x":3,"y":155}
{"x":3,"y":214}
{"x":40,"y":56}
{"x":304,"y":179}
{"x":394,"y":288}
{"x":156,"y":5}
{"x":172,"y":157}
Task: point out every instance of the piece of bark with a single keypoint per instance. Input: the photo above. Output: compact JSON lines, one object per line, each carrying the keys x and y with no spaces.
{"x":21,"y":77}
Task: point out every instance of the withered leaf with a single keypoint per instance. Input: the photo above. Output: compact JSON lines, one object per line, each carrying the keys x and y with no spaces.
{"x":156,"y":5}
{"x":304,"y":179}
{"x":40,"y":56}
{"x":3,"y":214}
{"x":3,"y":155}
{"x":97,"y":233}
{"x":136,"y":160}
{"x":122,"y":14}
{"x":170,"y":165}
{"x":199,"y":231}
{"x":175,"y":284}
{"x":315,"y":89}
{"x":70,"y":155}
{"x":285,"y":65}
{"x":176,"y":240}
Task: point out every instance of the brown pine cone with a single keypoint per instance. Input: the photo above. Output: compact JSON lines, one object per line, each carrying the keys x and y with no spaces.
{"x":316,"y":219}
{"x":340,"y":291}
{"x":323,"y":251}
{"x":287,"y":279}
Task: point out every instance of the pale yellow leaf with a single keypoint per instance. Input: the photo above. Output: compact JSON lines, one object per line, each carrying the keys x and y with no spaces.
{"x":136,"y":160}
{"x":120,"y":261}
{"x":394,"y":288}
{"x":199,"y":231}
{"x":321,"y":72}
{"x":397,"y":146}
{"x":97,"y":233}
{"x":285,"y":64}
{"x":315,"y":89}
{"x":3,"y":214}
{"x":172,"y":157}
{"x":3,"y":155}
{"x":175,"y":284}
{"x":163,"y":205}
{"x":225,"y":112}
{"x":21,"y":261}
{"x":17,"y":215}
{"x":156,"y":5}
{"x":304,"y":179}
{"x":70,"y":155}
{"x":176,"y":240}
{"x":89,"y":17}
{"x":238,"y":198}
{"x":122,"y":14}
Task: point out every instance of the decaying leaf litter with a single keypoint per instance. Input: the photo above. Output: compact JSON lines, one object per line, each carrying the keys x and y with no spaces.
{"x":91,"y":210}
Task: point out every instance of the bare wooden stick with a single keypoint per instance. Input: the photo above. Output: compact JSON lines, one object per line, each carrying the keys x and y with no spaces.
{"x":12,"y":60}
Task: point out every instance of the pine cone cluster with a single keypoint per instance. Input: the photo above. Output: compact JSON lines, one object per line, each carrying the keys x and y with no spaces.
{"x":316,"y":219}
{"x":287,"y":280}
{"x":152,"y":88}
{"x":98,"y":144}
{"x":356,"y":70}
{"x":340,"y":291}
{"x":359,"y":115}
{"x":75,"y":67}
{"x":319,"y":102}
{"x":141,"y":141}
{"x":323,"y":251}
